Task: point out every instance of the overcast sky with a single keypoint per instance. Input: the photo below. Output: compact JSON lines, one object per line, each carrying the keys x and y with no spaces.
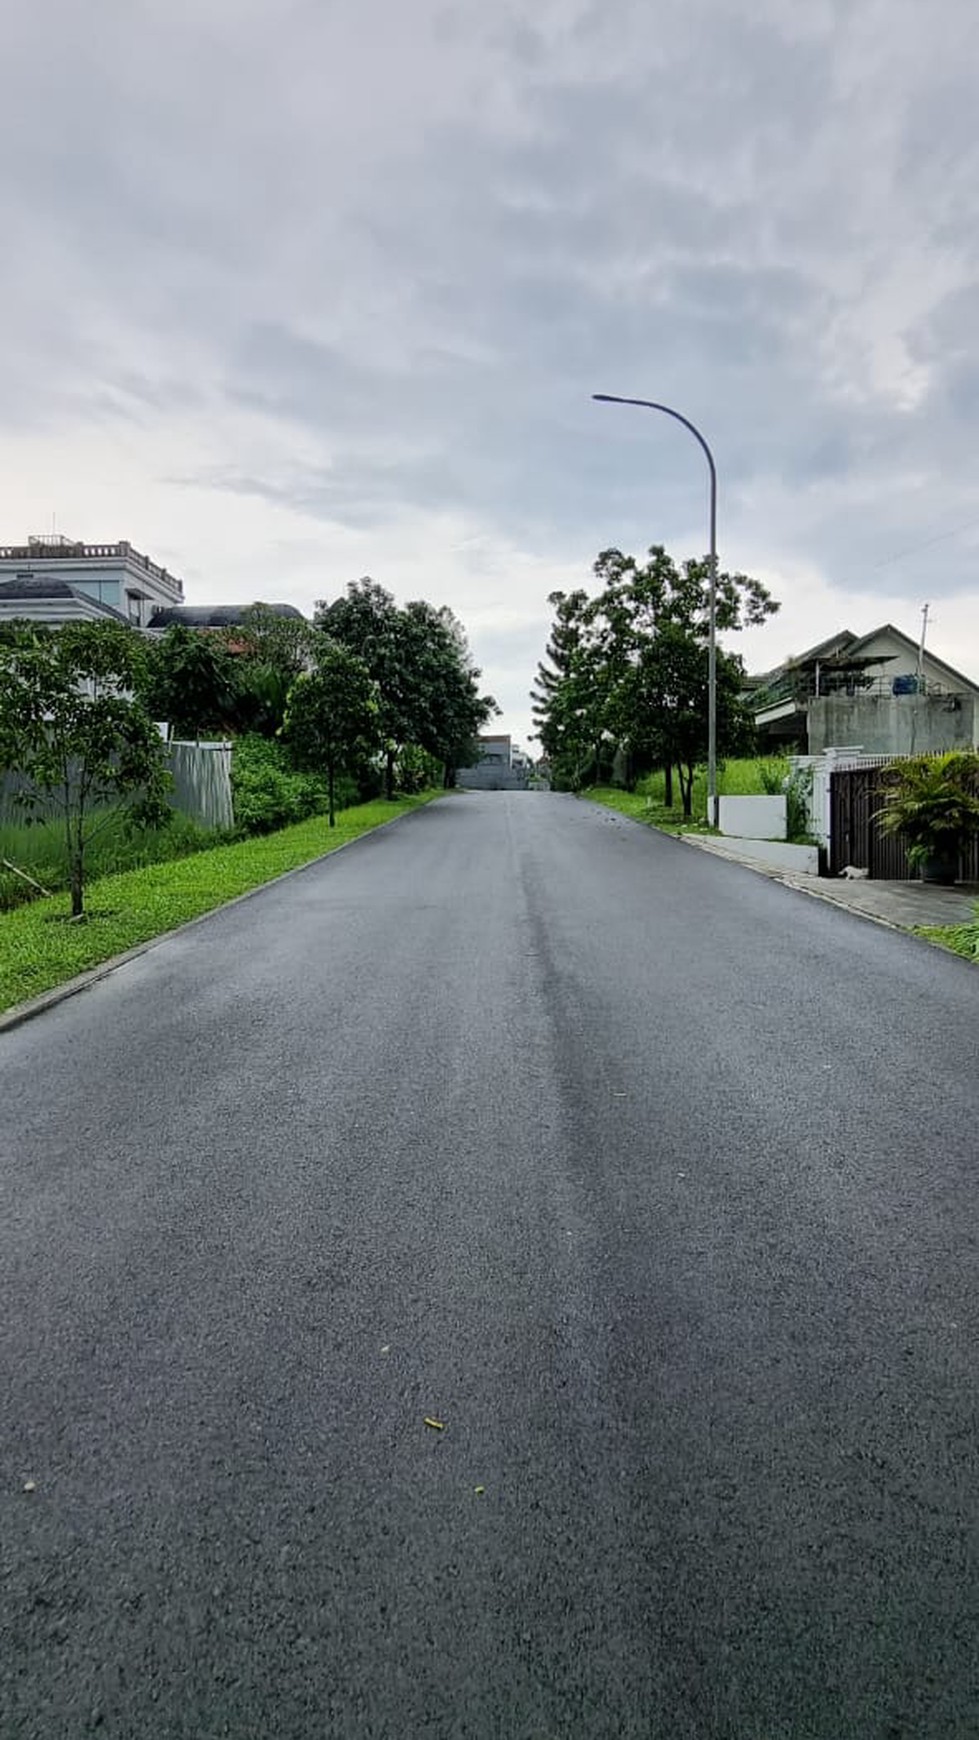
{"x":300,"y":291}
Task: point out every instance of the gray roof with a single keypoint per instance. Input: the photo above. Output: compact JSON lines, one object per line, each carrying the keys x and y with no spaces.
{"x":912,"y":645}
{"x":215,"y":615}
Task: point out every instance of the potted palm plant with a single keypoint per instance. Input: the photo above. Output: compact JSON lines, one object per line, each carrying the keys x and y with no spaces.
{"x":932,"y":801}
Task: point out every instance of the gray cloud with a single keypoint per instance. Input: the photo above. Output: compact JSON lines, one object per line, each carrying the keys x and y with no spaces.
{"x":389,"y":252}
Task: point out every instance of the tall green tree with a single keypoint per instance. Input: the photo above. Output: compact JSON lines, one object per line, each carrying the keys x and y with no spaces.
{"x":628,"y":666}
{"x":189,"y":682}
{"x":428,"y":685}
{"x":76,"y":736}
{"x":571,"y":696}
{"x":367,"y":621}
{"x":662,"y":705}
{"x":332,"y":715}
{"x":446,"y":708}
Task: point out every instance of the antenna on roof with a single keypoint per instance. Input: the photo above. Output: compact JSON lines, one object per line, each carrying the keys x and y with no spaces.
{"x":921,"y":646}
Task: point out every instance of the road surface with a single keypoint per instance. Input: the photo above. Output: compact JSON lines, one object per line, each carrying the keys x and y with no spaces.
{"x":652,"y":1181}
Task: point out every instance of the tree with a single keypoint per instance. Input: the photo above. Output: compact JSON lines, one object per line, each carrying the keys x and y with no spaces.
{"x":427,"y":683}
{"x":267,"y":653}
{"x":556,"y":665}
{"x":442,"y":693}
{"x":76,"y":737}
{"x":651,"y":624}
{"x":629,"y":667}
{"x":367,"y":621}
{"x":189,"y":682}
{"x":332,"y":715}
{"x":571,"y":696}
{"x":664,"y":699}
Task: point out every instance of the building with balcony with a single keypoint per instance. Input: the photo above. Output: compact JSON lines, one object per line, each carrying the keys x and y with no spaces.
{"x":54,"y":579}
{"x":501,"y":767}
{"x":882,"y":692}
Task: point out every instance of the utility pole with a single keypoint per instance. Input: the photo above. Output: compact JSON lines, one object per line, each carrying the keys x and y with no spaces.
{"x":921,"y":648}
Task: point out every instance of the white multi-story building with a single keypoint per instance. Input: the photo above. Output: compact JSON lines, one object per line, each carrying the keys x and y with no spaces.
{"x":53,"y":579}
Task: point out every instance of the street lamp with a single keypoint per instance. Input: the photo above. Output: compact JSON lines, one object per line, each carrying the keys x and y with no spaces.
{"x":650,"y":405}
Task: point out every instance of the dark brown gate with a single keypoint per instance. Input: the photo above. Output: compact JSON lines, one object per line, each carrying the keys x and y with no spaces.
{"x":850,"y":805}
{"x":855,"y":794}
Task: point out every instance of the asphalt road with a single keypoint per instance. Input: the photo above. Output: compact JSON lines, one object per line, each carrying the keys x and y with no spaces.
{"x":652,"y":1180}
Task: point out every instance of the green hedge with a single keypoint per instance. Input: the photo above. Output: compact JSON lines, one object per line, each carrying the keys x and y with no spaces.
{"x":268,"y":792}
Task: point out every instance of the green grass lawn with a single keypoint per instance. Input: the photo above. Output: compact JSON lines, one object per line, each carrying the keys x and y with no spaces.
{"x":750,"y":776}
{"x":39,"y":848}
{"x":643,"y":808}
{"x":39,"y":948}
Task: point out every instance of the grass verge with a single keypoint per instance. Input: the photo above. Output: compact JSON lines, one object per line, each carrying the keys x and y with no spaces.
{"x":644,"y":809}
{"x":39,"y":948}
{"x":39,"y":848}
{"x":745,"y":776}
{"x":962,"y":939}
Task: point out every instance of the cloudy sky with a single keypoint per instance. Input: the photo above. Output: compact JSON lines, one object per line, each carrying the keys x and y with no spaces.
{"x":294,"y":291}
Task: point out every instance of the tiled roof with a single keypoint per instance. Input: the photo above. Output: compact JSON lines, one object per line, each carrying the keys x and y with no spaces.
{"x":214,"y":615}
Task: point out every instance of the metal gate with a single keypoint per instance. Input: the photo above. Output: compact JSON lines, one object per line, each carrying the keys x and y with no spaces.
{"x":856,"y":837}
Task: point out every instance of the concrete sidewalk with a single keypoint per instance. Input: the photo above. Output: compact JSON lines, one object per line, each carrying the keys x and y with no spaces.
{"x":904,"y":905}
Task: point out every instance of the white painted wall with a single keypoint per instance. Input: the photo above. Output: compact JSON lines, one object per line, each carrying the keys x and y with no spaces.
{"x":753,"y":818}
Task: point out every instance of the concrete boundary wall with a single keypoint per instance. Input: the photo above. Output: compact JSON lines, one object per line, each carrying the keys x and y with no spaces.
{"x":776,"y":854}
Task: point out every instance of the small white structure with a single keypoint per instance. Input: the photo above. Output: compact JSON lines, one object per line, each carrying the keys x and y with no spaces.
{"x":754,"y":818}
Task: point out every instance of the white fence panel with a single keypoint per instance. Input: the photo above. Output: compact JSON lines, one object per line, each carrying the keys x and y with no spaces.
{"x":202,"y":782}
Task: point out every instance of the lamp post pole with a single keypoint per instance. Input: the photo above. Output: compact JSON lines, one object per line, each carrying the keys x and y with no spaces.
{"x":668,"y":411}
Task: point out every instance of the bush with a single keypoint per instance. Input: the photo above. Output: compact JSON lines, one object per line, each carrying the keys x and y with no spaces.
{"x":932,"y":801}
{"x":798,"y":804}
{"x":773,"y":773}
{"x":267,"y":791}
{"x":416,"y":770}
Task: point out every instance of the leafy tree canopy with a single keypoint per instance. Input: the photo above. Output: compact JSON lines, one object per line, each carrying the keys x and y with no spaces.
{"x":332,"y":715}
{"x":626,"y":668}
{"x":427,"y":684}
{"x":76,"y":736}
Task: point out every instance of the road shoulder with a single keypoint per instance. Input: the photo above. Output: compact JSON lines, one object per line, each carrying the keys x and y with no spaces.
{"x":907,"y":906}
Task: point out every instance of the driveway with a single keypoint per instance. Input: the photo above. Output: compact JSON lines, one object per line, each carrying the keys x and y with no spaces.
{"x":650,"y":1181}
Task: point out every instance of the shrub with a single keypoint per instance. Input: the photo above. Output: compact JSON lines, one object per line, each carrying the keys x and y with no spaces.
{"x":933,"y":802}
{"x":417,"y":770}
{"x":798,"y":804}
{"x":773,"y":774}
{"x":268,"y":793}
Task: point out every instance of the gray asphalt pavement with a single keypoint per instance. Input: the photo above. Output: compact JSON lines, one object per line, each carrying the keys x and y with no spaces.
{"x":652,"y":1180}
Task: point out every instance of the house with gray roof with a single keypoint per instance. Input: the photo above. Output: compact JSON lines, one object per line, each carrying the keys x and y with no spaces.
{"x":882,"y":692}
{"x":52,"y":602}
